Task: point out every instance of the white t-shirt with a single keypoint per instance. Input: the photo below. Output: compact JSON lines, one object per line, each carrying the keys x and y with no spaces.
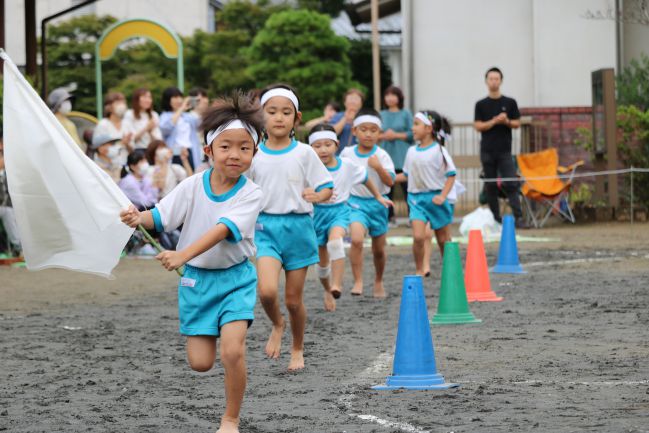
{"x":131,"y":124}
{"x":427,"y":169}
{"x":361,"y":159}
{"x":346,"y":174}
{"x":193,"y":204}
{"x":284,"y":174}
{"x":105,"y":126}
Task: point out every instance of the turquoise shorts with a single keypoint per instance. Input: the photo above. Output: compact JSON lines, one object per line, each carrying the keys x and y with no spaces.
{"x":423,"y":209}
{"x":370,"y":213}
{"x":210,"y":298}
{"x":326,"y":217}
{"x":289,"y":238}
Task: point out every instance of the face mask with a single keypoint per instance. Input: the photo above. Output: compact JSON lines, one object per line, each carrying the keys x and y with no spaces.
{"x":143,"y":167}
{"x":163,"y":154}
{"x":113,"y":152}
{"x":120,"y":109}
{"x":66,"y":107}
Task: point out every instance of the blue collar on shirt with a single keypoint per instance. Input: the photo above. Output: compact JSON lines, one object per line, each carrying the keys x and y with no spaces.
{"x":262,"y":147}
{"x":340,"y":162}
{"x":430,"y":146}
{"x":225,"y":196}
{"x":365,"y":155}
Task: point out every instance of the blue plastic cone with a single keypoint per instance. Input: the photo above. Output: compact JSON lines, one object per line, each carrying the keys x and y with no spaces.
{"x":414,"y":359}
{"x":508,"y":262}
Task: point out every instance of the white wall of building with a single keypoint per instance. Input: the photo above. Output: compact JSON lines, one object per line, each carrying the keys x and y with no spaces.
{"x":545,"y":48}
{"x":184,"y":17}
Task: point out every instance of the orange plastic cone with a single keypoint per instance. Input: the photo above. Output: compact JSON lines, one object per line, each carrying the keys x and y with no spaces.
{"x":476,"y":274}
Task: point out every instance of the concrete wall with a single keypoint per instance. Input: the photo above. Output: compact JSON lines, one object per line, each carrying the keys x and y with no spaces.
{"x":183,"y":17}
{"x":545,"y":48}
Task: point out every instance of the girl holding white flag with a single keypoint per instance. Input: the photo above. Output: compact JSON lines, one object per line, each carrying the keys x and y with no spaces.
{"x":218,"y":209}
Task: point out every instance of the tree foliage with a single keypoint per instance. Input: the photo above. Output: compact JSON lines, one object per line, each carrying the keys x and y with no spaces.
{"x":256,"y":43}
{"x":360,"y":54}
{"x":298,"y":47}
{"x":633,"y":83}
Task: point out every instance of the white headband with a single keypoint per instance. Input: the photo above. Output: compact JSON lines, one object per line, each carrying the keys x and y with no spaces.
{"x":234,"y":124}
{"x":280,"y":91}
{"x":367,"y":118}
{"x":322,"y":135}
{"x":421,"y":116}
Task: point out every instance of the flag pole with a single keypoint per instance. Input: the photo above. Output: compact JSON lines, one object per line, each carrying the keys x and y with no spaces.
{"x":155,"y":244}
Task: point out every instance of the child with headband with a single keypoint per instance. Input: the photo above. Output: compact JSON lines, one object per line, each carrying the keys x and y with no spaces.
{"x":331,"y":219}
{"x":292,"y":178}
{"x":430,"y":173}
{"x":368,"y":215}
{"x":217,"y":209}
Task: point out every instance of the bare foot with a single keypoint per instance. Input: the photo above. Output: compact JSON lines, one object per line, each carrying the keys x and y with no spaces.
{"x":297,"y":360}
{"x":228,"y":426}
{"x":357,"y":290}
{"x":426,"y":272}
{"x":336,"y":292}
{"x":329,"y":301}
{"x":274,"y":345}
{"x":379,"y":290}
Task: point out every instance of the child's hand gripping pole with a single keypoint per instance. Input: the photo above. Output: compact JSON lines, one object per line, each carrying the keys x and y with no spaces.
{"x":155,"y":244}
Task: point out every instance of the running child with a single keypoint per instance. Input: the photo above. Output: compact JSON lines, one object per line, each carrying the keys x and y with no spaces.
{"x":292,"y":178}
{"x":430,"y":173}
{"x":368,"y":215}
{"x":331,"y":219}
{"x":217,"y":209}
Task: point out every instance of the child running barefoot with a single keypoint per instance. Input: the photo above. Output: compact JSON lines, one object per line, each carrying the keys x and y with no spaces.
{"x":292,"y":178}
{"x":218,"y":209}
{"x":331,"y":219}
{"x":430,"y":173}
{"x":368,"y":214}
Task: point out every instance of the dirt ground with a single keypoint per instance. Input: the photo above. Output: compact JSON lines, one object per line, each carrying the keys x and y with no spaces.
{"x":566,"y":351}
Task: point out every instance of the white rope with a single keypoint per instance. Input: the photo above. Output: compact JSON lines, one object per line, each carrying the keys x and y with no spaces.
{"x":559,"y":176}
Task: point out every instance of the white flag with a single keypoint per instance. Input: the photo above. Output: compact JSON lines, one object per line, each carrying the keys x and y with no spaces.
{"x":66,"y":207}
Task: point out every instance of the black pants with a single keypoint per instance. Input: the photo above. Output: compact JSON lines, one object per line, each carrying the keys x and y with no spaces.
{"x":404,"y":188}
{"x":501,"y":164}
{"x":176,"y":159}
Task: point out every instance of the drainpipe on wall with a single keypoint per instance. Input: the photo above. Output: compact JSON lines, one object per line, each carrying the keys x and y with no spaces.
{"x":407,"y":65}
{"x":618,"y":36}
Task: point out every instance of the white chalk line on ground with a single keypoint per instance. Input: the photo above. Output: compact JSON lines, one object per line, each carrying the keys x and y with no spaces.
{"x":554,"y":382}
{"x":379,"y":367}
{"x":585,"y":260}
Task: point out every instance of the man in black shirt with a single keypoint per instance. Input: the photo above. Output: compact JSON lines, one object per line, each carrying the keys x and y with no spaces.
{"x":495,"y":117}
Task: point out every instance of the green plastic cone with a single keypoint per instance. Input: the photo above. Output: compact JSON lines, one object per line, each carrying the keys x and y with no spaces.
{"x":453,"y":307}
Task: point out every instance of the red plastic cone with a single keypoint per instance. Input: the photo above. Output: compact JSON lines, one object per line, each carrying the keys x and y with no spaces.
{"x":476,"y":274}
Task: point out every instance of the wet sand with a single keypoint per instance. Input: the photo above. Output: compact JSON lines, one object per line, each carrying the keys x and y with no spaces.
{"x":565,"y":351}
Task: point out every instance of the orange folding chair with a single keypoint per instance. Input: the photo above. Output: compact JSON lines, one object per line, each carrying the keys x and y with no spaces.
{"x":547,"y":196}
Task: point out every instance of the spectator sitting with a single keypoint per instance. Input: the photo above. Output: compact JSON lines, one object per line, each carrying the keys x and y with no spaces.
{"x":142,"y":120}
{"x":134,"y":183}
{"x":60,"y":102}
{"x":106,"y":152}
{"x":330,"y":110}
{"x":7,"y":215}
{"x":113,"y":125}
{"x":163,"y":174}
